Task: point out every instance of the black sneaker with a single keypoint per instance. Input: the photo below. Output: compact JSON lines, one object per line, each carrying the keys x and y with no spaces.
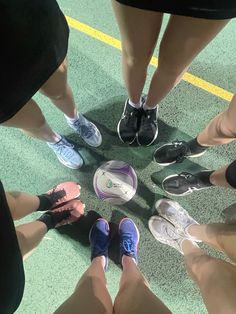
{"x":148,"y":129}
{"x":184,"y":183}
{"x":128,"y":125}
{"x":176,"y":151}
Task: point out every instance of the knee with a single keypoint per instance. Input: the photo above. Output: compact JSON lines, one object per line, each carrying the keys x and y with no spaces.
{"x":136,"y":57}
{"x":224,"y":127}
{"x":169,"y":65}
{"x":203,"y":267}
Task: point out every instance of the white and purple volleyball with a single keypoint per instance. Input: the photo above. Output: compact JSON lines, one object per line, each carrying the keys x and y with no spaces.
{"x":115,"y":182}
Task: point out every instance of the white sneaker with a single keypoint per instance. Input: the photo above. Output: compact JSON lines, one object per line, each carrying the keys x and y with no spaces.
{"x":86,"y":130}
{"x":166,"y":233}
{"x":66,"y":154}
{"x":177,"y":215}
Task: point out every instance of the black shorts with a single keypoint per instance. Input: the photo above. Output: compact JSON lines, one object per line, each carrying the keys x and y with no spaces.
{"x":207,"y":9}
{"x":34,"y":42}
{"x":12,"y":279}
{"x":230,"y":174}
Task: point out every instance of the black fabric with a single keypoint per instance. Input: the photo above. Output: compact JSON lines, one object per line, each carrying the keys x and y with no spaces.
{"x":204,"y":177}
{"x":45,"y":202}
{"x":12,"y":279}
{"x":34,"y":42}
{"x":195,"y":147}
{"x":231,"y":174}
{"x":52,"y":218}
{"x":208,"y":9}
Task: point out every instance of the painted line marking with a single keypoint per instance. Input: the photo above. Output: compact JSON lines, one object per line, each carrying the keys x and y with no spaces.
{"x":111,"y":41}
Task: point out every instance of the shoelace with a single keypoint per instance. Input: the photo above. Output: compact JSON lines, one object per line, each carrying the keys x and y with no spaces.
{"x":128,"y":244}
{"x":57,"y":195}
{"x":131,"y":118}
{"x":147,"y":120}
{"x":182,"y":155}
{"x":64,"y":148}
{"x":84,"y":130}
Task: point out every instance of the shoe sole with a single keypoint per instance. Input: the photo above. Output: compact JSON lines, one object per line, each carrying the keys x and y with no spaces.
{"x":134,"y":226}
{"x":183,"y":194}
{"x":173,"y":162}
{"x":68,"y":166}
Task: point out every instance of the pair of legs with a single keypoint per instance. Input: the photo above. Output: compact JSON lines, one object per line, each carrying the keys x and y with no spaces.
{"x":31,"y":119}
{"x":22,"y":204}
{"x":183,"y":39}
{"x":221,"y":130}
{"x":215,"y":278}
{"x":91,"y":294}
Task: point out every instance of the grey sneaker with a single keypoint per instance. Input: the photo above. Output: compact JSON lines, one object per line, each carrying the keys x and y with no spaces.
{"x":66,"y":154}
{"x":177,"y":215}
{"x":164,"y":232}
{"x":86,"y":130}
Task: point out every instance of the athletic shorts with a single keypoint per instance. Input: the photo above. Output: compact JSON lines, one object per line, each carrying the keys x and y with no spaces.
{"x":207,"y":9}
{"x":12,"y":279}
{"x":34,"y":43}
{"x":231,"y":174}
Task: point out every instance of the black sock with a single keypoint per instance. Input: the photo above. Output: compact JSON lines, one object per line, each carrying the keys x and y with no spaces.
{"x":51,"y":219}
{"x":204,"y":176}
{"x":45,"y":202}
{"x":195,"y":147}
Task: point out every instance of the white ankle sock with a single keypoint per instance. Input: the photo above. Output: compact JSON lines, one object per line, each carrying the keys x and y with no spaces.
{"x":145,"y":107}
{"x":132,"y":104}
{"x":72,"y":119}
{"x":57,"y":139}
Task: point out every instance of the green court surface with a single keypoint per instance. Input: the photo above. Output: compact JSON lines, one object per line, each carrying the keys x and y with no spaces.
{"x":54,"y":268}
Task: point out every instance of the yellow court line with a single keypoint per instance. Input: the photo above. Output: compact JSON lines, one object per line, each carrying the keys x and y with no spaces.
{"x":188,"y":77}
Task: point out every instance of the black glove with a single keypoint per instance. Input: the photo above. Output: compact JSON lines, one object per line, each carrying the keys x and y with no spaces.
{"x":52,"y":218}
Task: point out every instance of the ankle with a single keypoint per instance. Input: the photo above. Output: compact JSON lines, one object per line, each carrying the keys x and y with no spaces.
{"x":100,"y":261}
{"x":205,"y":177}
{"x":135,"y":104}
{"x":195,"y":147}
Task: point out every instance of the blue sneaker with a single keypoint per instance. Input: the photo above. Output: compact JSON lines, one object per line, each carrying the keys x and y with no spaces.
{"x":129,"y":239}
{"x":66,"y":154}
{"x":86,"y":130}
{"x":99,"y":238}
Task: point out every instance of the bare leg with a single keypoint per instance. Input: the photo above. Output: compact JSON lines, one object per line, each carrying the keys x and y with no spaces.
{"x":222,"y":129}
{"x":29,"y":235}
{"x":32,"y":121}
{"x":139,"y":33}
{"x":59,"y":92}
{"x":21,"y":204}
{"x":184,"y":39}
{"x":91,"y":295}
{"x":135,"y":296}
{"x":218,"y":178}
{"x":215,"y":278}
{"x":219,"y":235}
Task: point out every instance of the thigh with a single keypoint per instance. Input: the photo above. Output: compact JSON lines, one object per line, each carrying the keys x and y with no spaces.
{"x":184,"y":38}
{"x":56,"y":85}
{"x":139,"y":29}
{"x":29,"y":117}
